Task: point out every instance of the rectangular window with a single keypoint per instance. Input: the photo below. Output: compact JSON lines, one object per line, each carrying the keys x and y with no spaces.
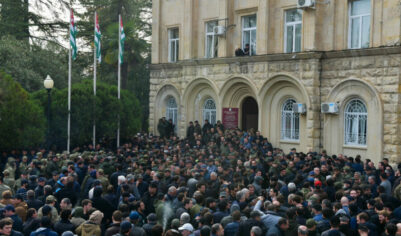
{"x":293,"y":30}
{"x":211,"y":40}
{"x":249,"y":34}
{"x":359,"y":24}
{"x":173,"y":44}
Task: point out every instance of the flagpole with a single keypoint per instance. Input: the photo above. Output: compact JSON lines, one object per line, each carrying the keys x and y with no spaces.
{"x":69,"y":99}
{"x":94,"y":84}
{"x":119,"y":76}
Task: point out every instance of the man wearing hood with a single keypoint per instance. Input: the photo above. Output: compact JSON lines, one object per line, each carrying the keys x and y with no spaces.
{"x":77,"y":217}
{"x":92,"y":226}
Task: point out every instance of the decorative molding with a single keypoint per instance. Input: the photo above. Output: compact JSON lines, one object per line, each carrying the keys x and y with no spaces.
{"x":280,"y":57}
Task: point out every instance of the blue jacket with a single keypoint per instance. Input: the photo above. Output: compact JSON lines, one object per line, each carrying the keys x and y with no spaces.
{"x":17,"y":225}
{"x":274,"y":231}
{"x":231,"y":229}
{"x":44,"y":232}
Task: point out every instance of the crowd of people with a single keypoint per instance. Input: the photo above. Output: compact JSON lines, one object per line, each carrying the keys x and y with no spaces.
{"x":213,"y":182}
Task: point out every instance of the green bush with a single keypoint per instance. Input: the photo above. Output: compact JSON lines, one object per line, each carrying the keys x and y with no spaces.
{"x":22,"y":122}
{"x":106,"y":110}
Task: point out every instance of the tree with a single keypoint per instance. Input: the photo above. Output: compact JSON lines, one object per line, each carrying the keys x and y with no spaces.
{"x":136,"y":16}
{"x":22,"y":122}
{"x":19,"y":18}
{"x":30,"y":64}
{"x":82,"y":113}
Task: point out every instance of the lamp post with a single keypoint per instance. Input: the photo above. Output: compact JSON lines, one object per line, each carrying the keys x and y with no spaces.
{"x":48,"y":83}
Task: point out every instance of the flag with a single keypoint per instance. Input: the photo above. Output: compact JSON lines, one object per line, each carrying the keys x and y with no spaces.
{"x":98,"y":35}
{"x":122,"y":39}
{"x":73,"y":33}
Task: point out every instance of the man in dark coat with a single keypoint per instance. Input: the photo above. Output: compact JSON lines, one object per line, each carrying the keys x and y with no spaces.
{"x":149,"y":198}
{"x":32,"y":201}
{"x":67,"y":192}
{"x":114,"y":228}
{"x":102,"y":204}
{"x":246,"y":226}
{"x":190,"y":131}
{"x":64,"y":224}
{"x":152,"y":221}
{"x":9,"y":211}
{"x":207,"y":126}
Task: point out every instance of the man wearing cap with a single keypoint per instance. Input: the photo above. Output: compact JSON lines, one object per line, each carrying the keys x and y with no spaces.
{"x":186,"y":229}
{"x":8,"y":180}
{"x":51,"y":202}
{"x":134,"y":218}
{"x":3,"y":187}
{"x":9,"y":211}
{"x":23,"y":189}
{"x":151,"y":221}
{"x":39,"y":189}
{"x":125,"y":229}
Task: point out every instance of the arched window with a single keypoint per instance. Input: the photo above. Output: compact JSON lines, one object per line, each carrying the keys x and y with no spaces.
{"x":209,"y":111}
{"x":172,"y":110}
{"x":356,"y":117}
{"x":289,"y":122}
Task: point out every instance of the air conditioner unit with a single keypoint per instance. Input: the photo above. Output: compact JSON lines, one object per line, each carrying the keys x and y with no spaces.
{"x":306,"y":3}
{"x":219,"y":30}
{"x":329,"y":108}
{"x":299,"y":108}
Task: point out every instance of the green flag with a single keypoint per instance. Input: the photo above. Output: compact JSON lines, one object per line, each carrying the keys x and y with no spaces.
{"x":73,"y":33}
{"x":98,"y":35}
{"x":122,"y":39}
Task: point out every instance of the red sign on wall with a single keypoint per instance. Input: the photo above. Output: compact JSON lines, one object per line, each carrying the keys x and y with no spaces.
{"x":230,"y":118}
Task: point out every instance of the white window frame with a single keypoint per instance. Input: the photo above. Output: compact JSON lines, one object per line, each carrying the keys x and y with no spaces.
{"x":209,"y":113}
{"x":354,"y":137}
{"x":249,"y":31}
{"x":176,"y":42}
{"x":293,"y":24}
{"x":289,"y":133}
{"x":360,"y":16}
{"x":214,"y":40}
{"x":172,"y":111}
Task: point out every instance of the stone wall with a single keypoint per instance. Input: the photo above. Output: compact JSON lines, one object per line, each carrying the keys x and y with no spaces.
{"x":382,"y":72}
{"x":314,"y":74}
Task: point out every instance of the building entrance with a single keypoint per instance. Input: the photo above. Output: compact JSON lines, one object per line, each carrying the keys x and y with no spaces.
{"x":249,"y":114}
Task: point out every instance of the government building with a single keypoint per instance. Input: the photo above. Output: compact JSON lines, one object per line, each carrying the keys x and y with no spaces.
{"x":317,"y":74}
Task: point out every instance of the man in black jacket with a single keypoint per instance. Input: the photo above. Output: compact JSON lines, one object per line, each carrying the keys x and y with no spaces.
{"x":114,"y":228}
{"x":150,"y":197}
{"x":102,"y":204}
{"x":246,"y":226}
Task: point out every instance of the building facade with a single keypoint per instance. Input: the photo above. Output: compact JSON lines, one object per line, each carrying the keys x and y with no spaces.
{"x":344,"y":53}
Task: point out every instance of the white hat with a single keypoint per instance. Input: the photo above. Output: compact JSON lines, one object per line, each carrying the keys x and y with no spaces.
{"x":186,"y":226}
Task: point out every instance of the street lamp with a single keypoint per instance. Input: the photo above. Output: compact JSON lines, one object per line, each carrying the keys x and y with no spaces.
{"x":48,"y":83}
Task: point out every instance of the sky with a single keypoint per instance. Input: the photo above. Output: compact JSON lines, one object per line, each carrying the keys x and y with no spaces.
{"x":59,"y":11}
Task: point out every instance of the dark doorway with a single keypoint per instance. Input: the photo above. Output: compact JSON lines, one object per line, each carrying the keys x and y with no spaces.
{"x":249,"y":114}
